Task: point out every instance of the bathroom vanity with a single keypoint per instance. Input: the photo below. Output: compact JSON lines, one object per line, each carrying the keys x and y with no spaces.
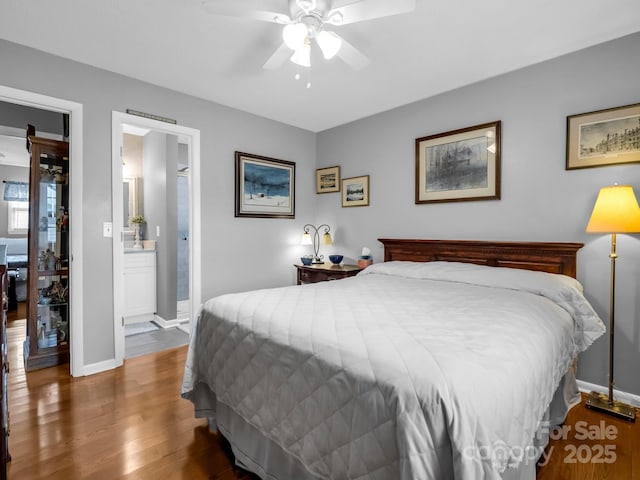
{"x":139,"y":285}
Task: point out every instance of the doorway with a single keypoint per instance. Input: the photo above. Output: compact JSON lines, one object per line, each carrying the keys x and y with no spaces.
{"x":35,"y":100}
{"x":149,"y":260}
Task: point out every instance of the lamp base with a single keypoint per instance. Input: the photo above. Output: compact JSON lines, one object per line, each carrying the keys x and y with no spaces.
{"x":600,"y":402}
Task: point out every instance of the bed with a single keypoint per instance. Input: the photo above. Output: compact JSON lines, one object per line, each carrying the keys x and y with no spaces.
{"x":450,"y":360}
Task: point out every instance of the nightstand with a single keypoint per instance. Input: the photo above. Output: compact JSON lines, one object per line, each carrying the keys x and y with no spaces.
{"x":324,"y":271}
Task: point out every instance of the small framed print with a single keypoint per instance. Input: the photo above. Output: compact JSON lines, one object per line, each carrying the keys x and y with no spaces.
{"x":603,"y":138}
{"x":459,"y":165}
{"x":328,"y":180}
{"x":355,"y":191}
{"x":265,"y":187}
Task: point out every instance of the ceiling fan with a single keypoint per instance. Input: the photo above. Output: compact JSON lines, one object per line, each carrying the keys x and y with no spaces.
{"x":307,"y":21}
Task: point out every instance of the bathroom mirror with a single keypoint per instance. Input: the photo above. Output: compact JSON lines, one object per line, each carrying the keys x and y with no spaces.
{"x":130,"y":200}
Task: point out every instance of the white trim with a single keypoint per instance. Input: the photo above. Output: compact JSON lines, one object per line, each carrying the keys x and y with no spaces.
{"x":161,"y":322}
{"x":187,"y":135}
{"x":625,"y":397}
{"x":36,"y":100}
{"x":99,"y":367}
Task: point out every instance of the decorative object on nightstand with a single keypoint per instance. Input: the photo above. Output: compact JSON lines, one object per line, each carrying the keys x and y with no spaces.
{"x":326,"y":239}
{"x":322,"y":272}
{"x":336,"y":259}
{"x":615,"y":211}
{"x":365,"y":259}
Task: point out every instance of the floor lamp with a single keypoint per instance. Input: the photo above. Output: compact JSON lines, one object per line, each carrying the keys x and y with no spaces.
{"x":615,"y":211}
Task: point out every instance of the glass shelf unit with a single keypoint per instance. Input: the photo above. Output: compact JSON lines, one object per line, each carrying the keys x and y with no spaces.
{"x":47,"y":341}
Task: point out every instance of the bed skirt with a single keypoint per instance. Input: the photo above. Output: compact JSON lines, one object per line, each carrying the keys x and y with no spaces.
{"x":264,"y":457}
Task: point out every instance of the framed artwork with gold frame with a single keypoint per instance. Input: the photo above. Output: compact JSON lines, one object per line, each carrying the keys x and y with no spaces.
{"x":355,"y":191}
{"x":328,"y":180}
{"x":604,"y":137}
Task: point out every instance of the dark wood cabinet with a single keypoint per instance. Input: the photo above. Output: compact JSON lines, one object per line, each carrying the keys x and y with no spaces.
{"x":47,"y":340}
{"x":324,"y":272}
{"x":4,"y":368}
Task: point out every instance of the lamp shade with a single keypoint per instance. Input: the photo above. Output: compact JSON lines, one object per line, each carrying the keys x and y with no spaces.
{"x":615,"y":211}
{"x":326,"y":239}
{"x":302,"y":55}
{"x":329,"y":43}
{"x":306,"y":239}
{"x":294,"y":35}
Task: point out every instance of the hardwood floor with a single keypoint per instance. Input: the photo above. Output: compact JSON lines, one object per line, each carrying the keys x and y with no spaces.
{"x":593,"y":446}
{"x":130,"y":423}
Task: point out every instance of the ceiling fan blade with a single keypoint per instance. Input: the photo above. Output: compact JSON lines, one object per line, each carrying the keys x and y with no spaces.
{"x":362,"y":10}
{"x":278,"y":58}
{"x":229,"y":8}
{"x":352,"y":56}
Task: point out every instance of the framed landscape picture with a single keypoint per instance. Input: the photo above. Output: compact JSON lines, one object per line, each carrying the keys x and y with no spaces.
{"x":459,"y":165}
{"x":604,"y":137}
{"x":355,"y":191}
{"x":328,"y":180}
{"x":265,"y":187}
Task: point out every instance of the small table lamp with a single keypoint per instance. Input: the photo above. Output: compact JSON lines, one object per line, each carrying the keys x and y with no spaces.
{"x":326,"y":240}
{"x":616,"y":211}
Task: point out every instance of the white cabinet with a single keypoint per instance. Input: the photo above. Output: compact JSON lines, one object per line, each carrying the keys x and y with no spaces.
{"x":139,"y":286}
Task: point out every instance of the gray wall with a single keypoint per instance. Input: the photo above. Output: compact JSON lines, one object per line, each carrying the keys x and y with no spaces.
{"x":540,"y":199}
{"x":18,"y":116}
{"x":160,"y":160}
{"x":16,"y":174}
{"x":238,"y":254}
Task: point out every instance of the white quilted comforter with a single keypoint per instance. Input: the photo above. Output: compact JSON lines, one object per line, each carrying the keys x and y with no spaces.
{"x":407,"y":371}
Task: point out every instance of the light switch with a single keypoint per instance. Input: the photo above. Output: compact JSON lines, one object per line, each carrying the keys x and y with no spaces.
{"x":158,"y":231}
{"x":107,"y":229}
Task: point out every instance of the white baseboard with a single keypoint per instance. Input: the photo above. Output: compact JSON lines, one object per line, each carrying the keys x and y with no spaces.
{"x":99,"y":367}
{"x":166,"y":323}
{"x":625,"y":397}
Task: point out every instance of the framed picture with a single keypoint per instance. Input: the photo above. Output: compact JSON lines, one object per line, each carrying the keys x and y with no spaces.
{"x":328,"y":180}
{"x":604,"y":137}
{"x":265,"y":187}
{"x":459,"y":165}
{"x":355,"y":191}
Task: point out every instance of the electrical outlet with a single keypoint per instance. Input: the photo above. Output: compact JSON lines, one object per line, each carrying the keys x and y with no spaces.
{"x":107,"y":229}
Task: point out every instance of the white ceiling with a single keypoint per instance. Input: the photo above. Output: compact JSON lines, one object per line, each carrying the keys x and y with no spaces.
{"x":440,"y":46}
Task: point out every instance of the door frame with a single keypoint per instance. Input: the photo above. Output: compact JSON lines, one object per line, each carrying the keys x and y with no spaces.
{"x":192,"y":138}
{"x":74,"y":109}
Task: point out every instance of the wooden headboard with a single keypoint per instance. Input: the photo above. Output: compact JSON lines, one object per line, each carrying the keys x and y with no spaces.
{"x":541,"y":256}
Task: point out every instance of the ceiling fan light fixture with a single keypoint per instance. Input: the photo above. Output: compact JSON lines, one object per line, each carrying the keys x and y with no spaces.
{"x":294,"y":35}
{"x":306,"y":5}
{"x":329,"y":43}
{"x":302,"y":55}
